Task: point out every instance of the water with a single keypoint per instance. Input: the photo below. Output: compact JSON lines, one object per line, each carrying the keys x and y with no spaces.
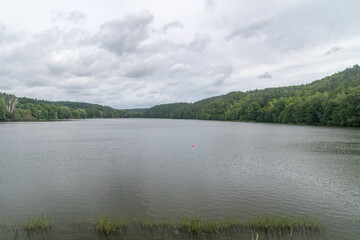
{"x":138,"y":167}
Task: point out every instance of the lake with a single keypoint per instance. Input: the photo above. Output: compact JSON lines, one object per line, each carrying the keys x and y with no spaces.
{"x":72,"y":170}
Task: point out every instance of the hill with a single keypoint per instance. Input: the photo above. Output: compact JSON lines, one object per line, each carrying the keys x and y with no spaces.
{"x":27,"y":109}
{"x":333,"y":101}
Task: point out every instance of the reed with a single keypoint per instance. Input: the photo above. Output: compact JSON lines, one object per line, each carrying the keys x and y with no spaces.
{"x":284,"y":222}
{"x":197,"y":225}
{"x":4,"y":225}
{"x":192,"y":225}
{"x":109,"y":226}
{"x":41,"y":223}
{"x":285,"y":225}
{"x":15,"y":228}
{"x":151,"y":223}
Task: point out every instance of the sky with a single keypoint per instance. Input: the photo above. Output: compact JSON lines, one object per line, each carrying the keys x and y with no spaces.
{"x":140,"y":53}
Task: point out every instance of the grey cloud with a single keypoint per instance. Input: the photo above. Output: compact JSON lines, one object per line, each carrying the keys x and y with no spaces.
{"x":48,"y":58}
{"x":76,"y":16}
{"x":179,"y":69}
{"x":211,"y":91}
{"x":82,"y":61}
{"x":72,"y":17}
{"x":76,"y":83}
{"x":141,"y":94}
{"x":265,"y":75}
{"x":139,"y":71}
{"x":221,"y":74}
{"x":200,"y":42}
{"x":123,"y":52}
{"x":249,"y":30}
{"x":216,"y":74}
{"x":173,"y":83}
{"x":56,"y":69}
{"x":124,"y":36}
{"x":291,"y":31}
{"x":143,"y":68}
{"x":7,"y":36}
{"x":174,"y":24}
{"x":163,"y":46}
{"x":333,"y":50}
{"x":209,"y":4}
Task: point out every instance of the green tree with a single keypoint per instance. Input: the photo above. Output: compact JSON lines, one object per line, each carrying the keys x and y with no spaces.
{"x":2,"y":110}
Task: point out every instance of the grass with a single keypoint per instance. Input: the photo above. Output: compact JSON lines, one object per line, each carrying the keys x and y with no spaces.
{"x":151,"y":223}
{"x":4,"y":225}
{"x":193,"y":226}
{"x":109,"y":226}
{"x":41,"y":223}
{"x":197,"y":225}
{"x":15,"y":228}
{"x":284,"y":222}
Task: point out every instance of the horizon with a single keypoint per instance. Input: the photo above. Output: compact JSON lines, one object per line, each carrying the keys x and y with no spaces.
{"x":141,"y":54}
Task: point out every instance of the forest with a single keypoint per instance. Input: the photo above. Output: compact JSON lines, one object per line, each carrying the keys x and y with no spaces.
{"x":331,"y":101}
{"x":27,"y":109}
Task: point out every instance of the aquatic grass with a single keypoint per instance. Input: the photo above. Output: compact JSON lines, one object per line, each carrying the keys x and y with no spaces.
{"x":191,"y":225}
{"x":15,"y":228}
{"x":284,"y":222}
{"x":109,"y":226}
{"x":198,"y":225}
{"x":153,"y":224}
{"x":41,"y":223}
{"x":4,"y":225}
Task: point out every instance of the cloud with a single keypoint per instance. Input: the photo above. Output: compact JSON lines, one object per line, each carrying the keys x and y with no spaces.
{"x":209,"y":4}
{"x":179,"y":69}
{"x":7,"y":36}
{"x":80,"y":61}
{"x":215,"y":74}
{"x":265,"y":75}
{"x":333,"y":50}
{"x":125,"y":36}
{"x":77,"y":83}
{"x":72,"y":17}
{"x":249,"y":30}
{"x":173,"y":24}
{"x":204,"y":48}
{"x":211,"y":91}
{"x":76,"y":16}
{"x":199,"y":43}
{"x":218,"y":74}
{"x":143,"y":68}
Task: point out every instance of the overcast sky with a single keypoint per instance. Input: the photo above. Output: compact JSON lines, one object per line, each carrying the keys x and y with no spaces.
{"x":139,"y":53}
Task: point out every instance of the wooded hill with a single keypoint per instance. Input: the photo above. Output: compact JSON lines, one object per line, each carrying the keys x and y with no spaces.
{"x":333,"y":101}
{"x":26,"y":109}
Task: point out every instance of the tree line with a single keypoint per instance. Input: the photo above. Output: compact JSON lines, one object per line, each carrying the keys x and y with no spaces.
{"x":26,"y":109}
{"x":332,"y":101}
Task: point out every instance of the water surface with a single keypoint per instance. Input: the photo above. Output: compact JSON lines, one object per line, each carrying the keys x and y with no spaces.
{"x":137,"y":167}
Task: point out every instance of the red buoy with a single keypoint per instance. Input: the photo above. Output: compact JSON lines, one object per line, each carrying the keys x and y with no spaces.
{"x":193,"y":145}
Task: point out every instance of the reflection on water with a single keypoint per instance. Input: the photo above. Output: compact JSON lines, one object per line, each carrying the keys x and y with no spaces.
{"x":137,"y":167}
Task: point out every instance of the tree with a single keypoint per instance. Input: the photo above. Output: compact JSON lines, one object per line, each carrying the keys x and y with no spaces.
{"x":2,"y":110}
